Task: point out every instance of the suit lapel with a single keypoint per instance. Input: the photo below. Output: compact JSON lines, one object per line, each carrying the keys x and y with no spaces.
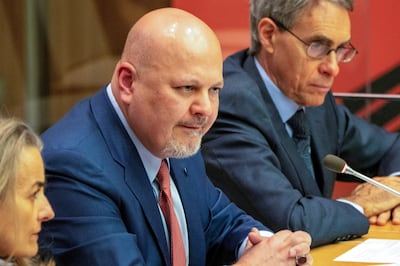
{"x":125,"y":153}
{"x":321,"y":141}
{"x":183,"y":172}
{"x":142,"y":190}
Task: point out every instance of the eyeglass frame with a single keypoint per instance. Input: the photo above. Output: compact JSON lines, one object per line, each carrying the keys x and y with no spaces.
{"x":351,"y":48}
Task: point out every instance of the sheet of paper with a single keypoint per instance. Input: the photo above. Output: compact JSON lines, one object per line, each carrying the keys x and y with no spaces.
{"x":396,"y":264}
{"x":374,"y":251}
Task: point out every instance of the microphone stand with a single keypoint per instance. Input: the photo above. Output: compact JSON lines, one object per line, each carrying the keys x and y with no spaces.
{"x":348,"y":170}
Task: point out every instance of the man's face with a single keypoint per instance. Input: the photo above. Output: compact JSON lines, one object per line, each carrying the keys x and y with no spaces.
{"x":175,"y":100}
{"x":301,"y":78}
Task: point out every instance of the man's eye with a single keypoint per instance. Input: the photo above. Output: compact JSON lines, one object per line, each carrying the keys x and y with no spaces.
{"x":215,"y":89}
{"x":187,"y":88}
{"x":35,"y":195}
{"x":317,"y":49}
{"x":318,"y":46}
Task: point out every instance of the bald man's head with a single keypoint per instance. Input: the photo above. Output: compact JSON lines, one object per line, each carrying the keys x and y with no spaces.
{"x":168,"y":32}
{"x":168,"y":80}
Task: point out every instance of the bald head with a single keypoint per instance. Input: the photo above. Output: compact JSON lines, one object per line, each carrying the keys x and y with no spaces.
{"x":167,"y":32}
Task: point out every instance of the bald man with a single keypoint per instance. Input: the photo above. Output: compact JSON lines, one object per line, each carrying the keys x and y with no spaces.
{"x":103,"y":157}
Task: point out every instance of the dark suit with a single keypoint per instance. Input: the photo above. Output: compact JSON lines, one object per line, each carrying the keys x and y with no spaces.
{"x":106,"y":211}
{"x":250,"y":155}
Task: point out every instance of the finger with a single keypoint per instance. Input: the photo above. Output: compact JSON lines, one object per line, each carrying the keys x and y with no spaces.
{"x":383,"y":218}
{"x":254,"y":237}
{"x":299,"y":250}
{"x":282,"y":237}
{"x":300,"y":244}
{"x":396,"y":215}
{"x":373,"y":219}
{"x":303,"y":236}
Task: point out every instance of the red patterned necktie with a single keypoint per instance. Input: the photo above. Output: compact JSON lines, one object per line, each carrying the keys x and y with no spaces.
{"x":178,"y":257}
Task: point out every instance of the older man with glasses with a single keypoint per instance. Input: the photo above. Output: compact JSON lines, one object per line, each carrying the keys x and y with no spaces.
{"x":278,"y":119}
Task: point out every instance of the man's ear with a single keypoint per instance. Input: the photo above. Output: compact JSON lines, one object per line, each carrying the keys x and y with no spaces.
{"x":267,"y":30}
{"x":126,"y":74}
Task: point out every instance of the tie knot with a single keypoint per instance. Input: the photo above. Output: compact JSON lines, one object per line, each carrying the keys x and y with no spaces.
{"x":163,"y":176}
{"x":299,"y":124}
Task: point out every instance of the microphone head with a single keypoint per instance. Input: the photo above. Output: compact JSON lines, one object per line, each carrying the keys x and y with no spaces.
{"x":334,"y":163}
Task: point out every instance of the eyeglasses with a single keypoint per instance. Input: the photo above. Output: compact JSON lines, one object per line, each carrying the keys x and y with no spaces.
{"x":317,"y":50}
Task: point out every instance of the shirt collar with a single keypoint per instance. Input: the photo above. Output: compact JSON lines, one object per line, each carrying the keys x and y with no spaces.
{"x":285,"y":106}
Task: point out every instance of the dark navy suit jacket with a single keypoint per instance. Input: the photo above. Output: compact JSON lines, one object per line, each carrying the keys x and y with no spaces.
{"x":250,"y":155}
{"x":106,"y":211}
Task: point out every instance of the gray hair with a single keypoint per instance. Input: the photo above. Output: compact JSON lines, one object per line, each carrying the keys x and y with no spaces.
{"x":285,"y":11}
{"x":15,"y":135}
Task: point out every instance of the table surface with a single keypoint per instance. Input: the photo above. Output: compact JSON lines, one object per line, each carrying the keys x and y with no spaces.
{"x":324,"y":255}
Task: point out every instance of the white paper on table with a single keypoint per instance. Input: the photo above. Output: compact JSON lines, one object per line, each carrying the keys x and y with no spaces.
{"x":396,"y":264}
{"x":373,"y":251}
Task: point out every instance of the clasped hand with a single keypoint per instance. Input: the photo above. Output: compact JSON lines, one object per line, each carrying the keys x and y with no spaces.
{"x":379,"y":205}
{"x":281,"y":249}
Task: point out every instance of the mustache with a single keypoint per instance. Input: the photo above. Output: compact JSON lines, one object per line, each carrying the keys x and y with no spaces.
{"x":196,"y":122}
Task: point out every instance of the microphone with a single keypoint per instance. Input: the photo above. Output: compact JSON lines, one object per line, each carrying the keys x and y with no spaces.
{"x":338,"y":165}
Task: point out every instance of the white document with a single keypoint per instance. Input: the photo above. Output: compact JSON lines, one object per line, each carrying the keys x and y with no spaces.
{"x":374,"y":251}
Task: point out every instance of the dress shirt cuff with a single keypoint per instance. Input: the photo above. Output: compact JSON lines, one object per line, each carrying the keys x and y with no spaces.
{"x":395,"y":174}
{"x":358,"y":207}
{"x":244,"y":243}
